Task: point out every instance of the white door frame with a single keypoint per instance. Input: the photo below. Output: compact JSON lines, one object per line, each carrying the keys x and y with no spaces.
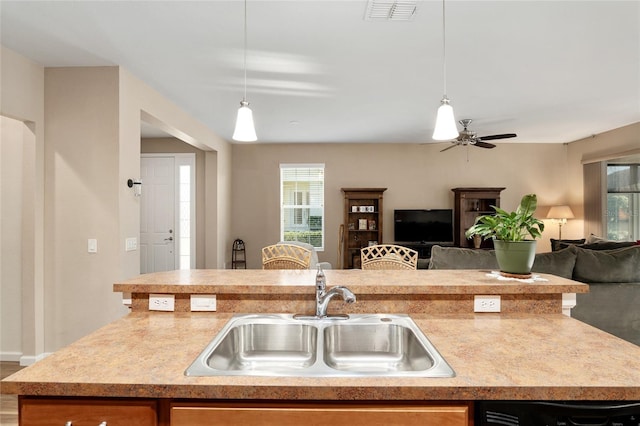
{"x":180,"y":160}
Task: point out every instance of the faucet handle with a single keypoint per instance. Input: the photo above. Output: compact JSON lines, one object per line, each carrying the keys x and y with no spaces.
{"x":321,"y":279}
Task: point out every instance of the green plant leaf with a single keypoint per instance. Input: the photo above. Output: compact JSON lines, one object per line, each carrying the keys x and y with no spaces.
{"x":509,"y":226}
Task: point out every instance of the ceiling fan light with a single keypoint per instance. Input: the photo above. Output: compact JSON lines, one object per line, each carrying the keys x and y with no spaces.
{"x":245,"y":130}
{"x":445,"y":122}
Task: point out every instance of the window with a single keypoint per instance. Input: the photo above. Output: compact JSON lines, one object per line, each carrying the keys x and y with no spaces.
{"x":185,"y":216}
{"x":302,"y":203}
{"x":623,"y":202}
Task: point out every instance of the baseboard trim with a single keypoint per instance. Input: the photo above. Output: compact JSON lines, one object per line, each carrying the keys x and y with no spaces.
{"x":10,"y":356}
{"x":28,"y":360}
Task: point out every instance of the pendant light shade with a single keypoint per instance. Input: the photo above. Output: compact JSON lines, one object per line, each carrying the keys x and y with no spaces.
{"x":445,"y":122}
{"x":245,"y":131}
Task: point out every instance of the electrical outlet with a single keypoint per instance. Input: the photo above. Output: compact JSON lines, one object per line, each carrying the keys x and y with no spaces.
{"x":203,"y":302}
{"x":486,"y":304}
{"x":162,"y":302}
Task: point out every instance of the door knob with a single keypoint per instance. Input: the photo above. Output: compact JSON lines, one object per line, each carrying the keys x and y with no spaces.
{"x":169,"y":239}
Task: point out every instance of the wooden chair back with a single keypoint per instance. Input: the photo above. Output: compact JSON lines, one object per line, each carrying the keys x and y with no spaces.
{"x":285,"y":256}
{"x":388,"y":256}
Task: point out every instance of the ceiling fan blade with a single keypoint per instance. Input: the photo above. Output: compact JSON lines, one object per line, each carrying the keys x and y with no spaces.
{"x":481,"y":144}
{"x":449,"y":147}
{"x":494,"y":137}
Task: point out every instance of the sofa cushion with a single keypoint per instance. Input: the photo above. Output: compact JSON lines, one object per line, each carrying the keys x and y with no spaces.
{"x":559,"y":263}
{"x":607,"y":266}
{"x":594,"y":242}
{"x":462,"y":258}
{"x":608,"y":245}
{"x":560,"y":244}
{"x":612,"y":307}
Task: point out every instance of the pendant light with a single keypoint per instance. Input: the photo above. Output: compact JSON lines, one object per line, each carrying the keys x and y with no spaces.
{"x":445,"y":122}
{"x":245,"y":130}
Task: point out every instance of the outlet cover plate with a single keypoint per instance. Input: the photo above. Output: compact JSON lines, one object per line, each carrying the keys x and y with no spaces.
{"x":203,"y":302}
{"x":486,"y":303}
{"x":162,"y":302}
{"x":131,"y":244}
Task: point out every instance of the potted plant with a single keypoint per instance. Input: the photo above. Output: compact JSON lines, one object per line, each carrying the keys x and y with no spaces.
{"x":514,"y":252}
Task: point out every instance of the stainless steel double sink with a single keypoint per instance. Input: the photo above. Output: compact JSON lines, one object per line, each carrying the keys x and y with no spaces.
{"x":281,"y":345}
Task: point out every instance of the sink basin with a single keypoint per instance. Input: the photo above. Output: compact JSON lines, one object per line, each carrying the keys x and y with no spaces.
{"x":273,"y":346}
{"x":280,"y":345}
{"x":375,"y":348}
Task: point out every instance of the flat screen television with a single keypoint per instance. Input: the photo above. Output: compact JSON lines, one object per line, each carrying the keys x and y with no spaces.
{"x":423,"y":226}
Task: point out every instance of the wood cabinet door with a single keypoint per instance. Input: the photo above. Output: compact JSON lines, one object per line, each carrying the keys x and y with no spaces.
{"x":319,"y":415}
{"x":89,"y":412}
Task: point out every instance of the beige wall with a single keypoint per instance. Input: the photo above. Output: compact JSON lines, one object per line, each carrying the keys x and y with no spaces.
{"x":609,"y":145}
{"x":82,"y":157}
{"x":138,"y":99}
{"x":16,"y":160}
{"x":417,"y":176}
{"x":22,"y":98}
{"x":92,"y":147}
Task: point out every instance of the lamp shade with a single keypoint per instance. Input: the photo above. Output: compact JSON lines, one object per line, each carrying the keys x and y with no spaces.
{"x":245,"y":131}
{"x":445,"y":122}
{"x":560,"y":212}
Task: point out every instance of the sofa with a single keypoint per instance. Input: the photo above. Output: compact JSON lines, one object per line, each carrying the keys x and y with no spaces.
{"x":613,"y":275}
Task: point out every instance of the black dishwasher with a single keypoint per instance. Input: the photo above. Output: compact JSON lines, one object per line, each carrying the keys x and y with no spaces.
{"x":557,"y":413}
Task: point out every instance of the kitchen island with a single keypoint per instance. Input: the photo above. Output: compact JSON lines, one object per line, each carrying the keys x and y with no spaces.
{"x":529,"y":351}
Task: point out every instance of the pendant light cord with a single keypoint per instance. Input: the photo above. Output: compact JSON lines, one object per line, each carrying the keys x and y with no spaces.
{"x":444,"y":51}
{"x":244,"y":97}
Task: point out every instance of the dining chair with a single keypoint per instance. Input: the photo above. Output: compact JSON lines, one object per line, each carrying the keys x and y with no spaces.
{"x":388,"y":256}
{"x":285,"y":256}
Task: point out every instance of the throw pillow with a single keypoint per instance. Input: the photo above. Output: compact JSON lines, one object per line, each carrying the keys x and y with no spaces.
{"x":462,"y":258}
{"x":592,"y":239}
{"x":559,"y":263}
{"x":607,"y":266}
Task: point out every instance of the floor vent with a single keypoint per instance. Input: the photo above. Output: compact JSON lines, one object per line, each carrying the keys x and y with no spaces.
{"x":391,"y":10}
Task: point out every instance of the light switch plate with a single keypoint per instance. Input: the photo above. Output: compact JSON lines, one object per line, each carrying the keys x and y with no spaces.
{"x":162,"y":302}
{"x":486,"y":303}
{"x":131,"y":244}
{"x":203,"y":302}
{"x":92,"y":245}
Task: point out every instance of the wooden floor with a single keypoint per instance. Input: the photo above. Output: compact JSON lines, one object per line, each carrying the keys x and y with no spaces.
{"x":8,"y":403}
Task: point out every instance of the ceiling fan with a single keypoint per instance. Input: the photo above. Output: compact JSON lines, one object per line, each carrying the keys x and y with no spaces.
{"x":467,"y":137}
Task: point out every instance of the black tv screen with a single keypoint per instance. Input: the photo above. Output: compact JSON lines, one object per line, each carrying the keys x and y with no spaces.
{"x":423,"y":226}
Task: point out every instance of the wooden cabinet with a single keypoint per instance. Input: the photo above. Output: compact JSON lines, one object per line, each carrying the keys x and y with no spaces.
{"x":318,"y":414}
{"x":87,"y":412}
{"x":469,"y":203}
{"x":362,"y":222}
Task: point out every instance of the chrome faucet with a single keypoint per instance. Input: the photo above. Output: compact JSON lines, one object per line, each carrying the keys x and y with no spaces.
{"x":323,"y":297}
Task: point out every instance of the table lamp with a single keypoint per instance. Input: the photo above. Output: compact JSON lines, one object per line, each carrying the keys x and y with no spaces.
{"x":561,"y":214}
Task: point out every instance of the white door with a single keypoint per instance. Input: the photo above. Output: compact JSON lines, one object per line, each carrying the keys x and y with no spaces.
{"x":157,"y":214}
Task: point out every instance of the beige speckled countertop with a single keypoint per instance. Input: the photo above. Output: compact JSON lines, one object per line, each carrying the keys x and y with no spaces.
{"x":422,"y":281}
{"x":495,"y":356}
{"x":412,"y":292}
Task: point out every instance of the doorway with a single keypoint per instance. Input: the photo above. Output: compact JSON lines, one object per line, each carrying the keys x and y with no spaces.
{"x":167,"y":212}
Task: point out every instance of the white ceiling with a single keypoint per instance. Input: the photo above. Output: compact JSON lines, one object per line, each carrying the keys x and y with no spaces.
{"x":550,"y":71}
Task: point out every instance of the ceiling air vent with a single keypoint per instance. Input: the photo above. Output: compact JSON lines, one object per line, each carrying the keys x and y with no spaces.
{"x":391,"y":10}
